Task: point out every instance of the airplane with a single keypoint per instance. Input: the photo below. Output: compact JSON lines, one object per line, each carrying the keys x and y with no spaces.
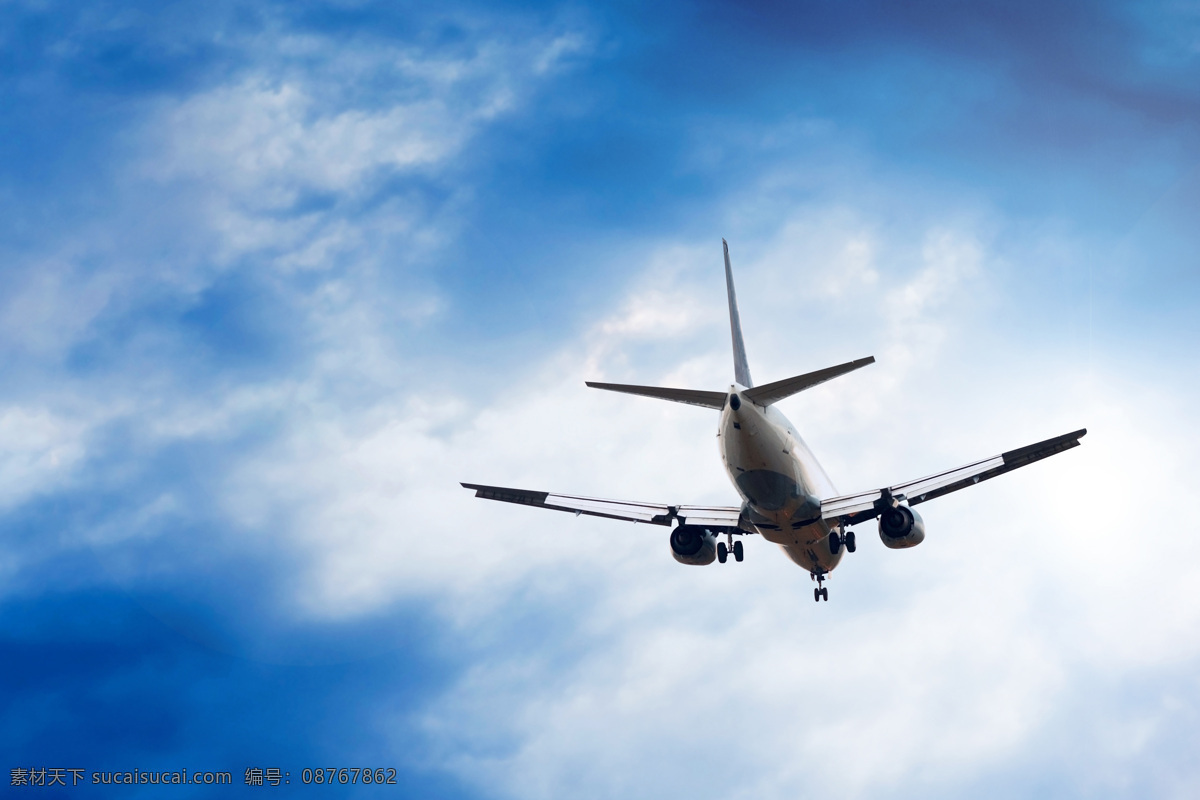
{"x":786,"y":496}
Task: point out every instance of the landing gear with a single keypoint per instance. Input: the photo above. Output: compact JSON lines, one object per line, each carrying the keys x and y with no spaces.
{"x":820,"y":593}
{"x":838,"y":540}
{"x":723,"y":550}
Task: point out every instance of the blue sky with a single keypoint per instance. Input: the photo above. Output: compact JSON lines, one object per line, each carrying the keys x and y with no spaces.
{"x":276,"y":276}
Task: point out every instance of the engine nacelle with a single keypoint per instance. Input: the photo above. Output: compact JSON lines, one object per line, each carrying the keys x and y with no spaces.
{"x":693,"y":544}
{"x":901,"y":527}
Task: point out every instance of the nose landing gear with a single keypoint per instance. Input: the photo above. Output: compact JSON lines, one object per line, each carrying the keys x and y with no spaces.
{"x":820,"y":593}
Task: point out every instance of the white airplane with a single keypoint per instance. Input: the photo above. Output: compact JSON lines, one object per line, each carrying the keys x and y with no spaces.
{"x":786,"y":495}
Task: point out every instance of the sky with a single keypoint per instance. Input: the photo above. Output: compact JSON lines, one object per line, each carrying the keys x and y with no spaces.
{"x":275,"y":277}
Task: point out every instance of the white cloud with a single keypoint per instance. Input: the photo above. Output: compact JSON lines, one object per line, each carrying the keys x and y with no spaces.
{"x":560,"y":49}
{"x":37,"y":452}
{"x":298,"y":130}
{"x":264,"y":142}
{"x":230,"y":170}
{"x":49,"y":305}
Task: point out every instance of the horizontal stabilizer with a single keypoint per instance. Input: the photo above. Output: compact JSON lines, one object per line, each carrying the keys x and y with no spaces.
{"x":774,"y":392}
{"x":693,"y":397}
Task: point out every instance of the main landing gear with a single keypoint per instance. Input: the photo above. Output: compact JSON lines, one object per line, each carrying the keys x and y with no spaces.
{"x":820,"y":593}
{"x":838,"y":540}
{"x":734,"y":547}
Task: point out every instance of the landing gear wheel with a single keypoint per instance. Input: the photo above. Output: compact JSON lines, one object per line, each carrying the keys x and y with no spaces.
{"x":835,"y":542}
{"x":722,"y":552}
{"x":850,"y":541}
{"x":820,"y":593}
{"x":737,"y":551}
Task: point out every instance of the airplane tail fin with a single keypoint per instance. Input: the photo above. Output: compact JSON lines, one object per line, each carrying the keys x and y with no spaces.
{"x":741,"y":368}
{"x":763,"y":395}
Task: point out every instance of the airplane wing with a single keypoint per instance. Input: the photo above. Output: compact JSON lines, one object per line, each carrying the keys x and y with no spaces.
{"x":856,"y":508}
{"x":652,"y":513}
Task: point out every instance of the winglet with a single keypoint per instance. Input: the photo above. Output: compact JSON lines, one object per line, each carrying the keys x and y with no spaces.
{"x":741,"y":368}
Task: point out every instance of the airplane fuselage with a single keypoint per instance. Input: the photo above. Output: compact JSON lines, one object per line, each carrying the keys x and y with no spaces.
{"x":780,"y":481}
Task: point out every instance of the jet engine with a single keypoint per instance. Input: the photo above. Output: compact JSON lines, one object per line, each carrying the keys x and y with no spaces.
{"x":693,"y":544}
{"x":901,"y":527}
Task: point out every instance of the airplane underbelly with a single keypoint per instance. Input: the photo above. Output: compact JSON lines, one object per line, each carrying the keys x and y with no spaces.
{"x":771,"y":480}
{"x":804,"y":536}
{"x":781,"y":484}
{"x":808,"y":548}
{"x":769,"y":490}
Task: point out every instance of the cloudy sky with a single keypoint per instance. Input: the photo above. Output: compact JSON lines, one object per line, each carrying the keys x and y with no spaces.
{"x":274,"y":277}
